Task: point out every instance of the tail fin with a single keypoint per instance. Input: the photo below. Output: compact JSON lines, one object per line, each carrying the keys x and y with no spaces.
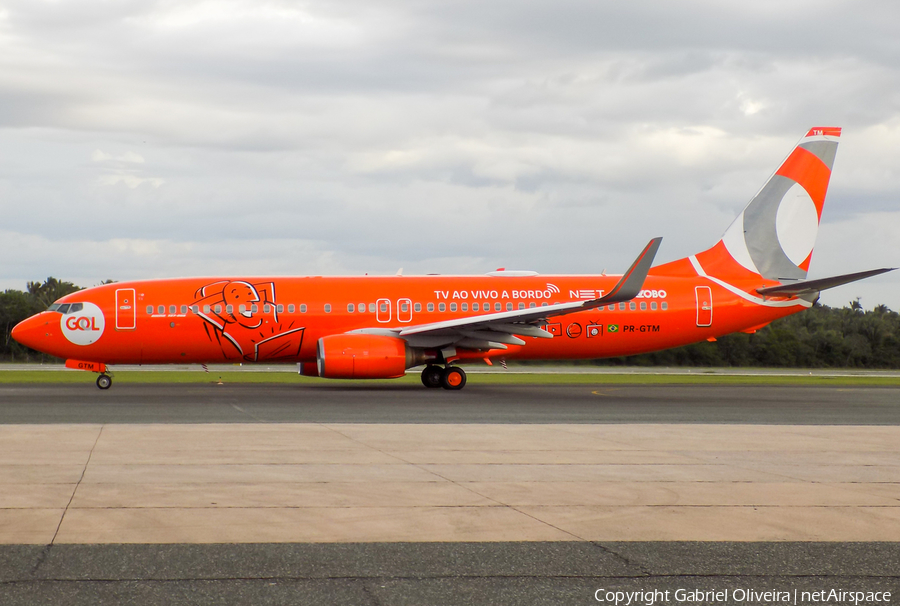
{"x":774,"y":236}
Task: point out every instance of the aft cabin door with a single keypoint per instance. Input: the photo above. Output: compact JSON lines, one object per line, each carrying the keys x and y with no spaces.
{"x":704,"y":305}
{"x":125,"y":309}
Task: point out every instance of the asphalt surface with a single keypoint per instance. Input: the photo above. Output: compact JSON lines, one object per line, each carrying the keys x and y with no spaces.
{"x":392,"y":403}
{"x":443,"y":573}
{"x":440,"y":573}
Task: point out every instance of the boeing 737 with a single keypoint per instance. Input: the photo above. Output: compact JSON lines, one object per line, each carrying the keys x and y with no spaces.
{"x":379,"y":327}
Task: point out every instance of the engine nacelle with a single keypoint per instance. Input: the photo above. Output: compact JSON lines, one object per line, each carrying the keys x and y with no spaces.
{"x":362,"y":356}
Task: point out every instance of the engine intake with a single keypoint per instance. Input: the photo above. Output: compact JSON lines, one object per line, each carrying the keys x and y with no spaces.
{"x":362,"y":356}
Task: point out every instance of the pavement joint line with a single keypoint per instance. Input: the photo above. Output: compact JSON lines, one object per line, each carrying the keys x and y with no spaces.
{"x":42,"y":556}
{"x":464,"y":487}
{"x":241,"y":410}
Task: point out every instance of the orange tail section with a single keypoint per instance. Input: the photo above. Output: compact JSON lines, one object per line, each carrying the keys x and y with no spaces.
{"x":774,"y":236}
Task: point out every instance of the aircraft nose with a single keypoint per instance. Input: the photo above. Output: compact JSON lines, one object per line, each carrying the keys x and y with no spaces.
{"x":28,"y":332}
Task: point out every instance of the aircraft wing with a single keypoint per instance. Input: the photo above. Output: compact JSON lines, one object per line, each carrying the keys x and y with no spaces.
{"x":497,"y":330}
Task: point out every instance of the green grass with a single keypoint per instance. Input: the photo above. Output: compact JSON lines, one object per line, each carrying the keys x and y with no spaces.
{"x":164,"y":376}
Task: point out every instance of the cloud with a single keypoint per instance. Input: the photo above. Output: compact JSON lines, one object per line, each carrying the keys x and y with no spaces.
{"x":441,"y":137}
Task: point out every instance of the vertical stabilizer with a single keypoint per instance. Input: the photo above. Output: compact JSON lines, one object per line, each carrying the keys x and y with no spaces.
{"x":774,"y":236}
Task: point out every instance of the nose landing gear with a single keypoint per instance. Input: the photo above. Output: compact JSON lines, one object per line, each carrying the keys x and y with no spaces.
{"x":104,"y":381}
{"x":451,"y":377}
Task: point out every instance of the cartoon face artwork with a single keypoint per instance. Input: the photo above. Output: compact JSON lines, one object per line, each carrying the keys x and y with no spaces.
{"x":243,"y":319}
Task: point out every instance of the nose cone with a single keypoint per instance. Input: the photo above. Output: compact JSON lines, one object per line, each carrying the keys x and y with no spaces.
{"x":31,"y":332}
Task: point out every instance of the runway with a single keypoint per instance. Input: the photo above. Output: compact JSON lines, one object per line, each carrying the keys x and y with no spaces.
{"x":167,"y":494}
{"x":405,"y":403}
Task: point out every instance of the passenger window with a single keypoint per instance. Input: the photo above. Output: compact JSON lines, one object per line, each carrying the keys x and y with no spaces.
{"x":280,"y":309}
{"x":371,"y":308}
{"x":664,"y":306}
{"x":632,"y":306}
{"x":350,"y":308}
{"x":184,"y":309}
{"x":497,"y":307}
{"x":404,"y":307}
{"x":653,"y":306}
{"x":544,"y":304}
{"x":417,"y":307}
{"x":328,"y":308}
{"x":267,"y":308}
{"x":206,"y":309}
{"x":453,"y":307}
{"x":383,"y":307}
{"x":474,"y":306}
{"x":442,"y":307}
{"x":291,"y":308}
{"x":254,"y":308}
{"x":643,"y":305}
{"x":195,"y":309}
{"x":621,"y":306}
{"x":218,"y":309}
{"x":361,"y":308}
{"x":431,"y":307}
{"x":530,"y":305}
{"x":521,"y":306}
{"x":303,"y":308}
{"x":172,"y":310}
{"x":242,"y":308}
{"x":161,"y":310}
{"x":150,"y":309}
{"x":229,"y":309}
{"x":74,"y":307}
{"x":509,"y":307}
{"x":464,"y":306}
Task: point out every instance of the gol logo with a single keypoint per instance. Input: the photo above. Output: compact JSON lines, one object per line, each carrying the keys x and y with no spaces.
{"x":83,"y":327}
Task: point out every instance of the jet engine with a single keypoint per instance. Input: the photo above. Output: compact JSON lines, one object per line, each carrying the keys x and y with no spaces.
{"x":362,"y":356}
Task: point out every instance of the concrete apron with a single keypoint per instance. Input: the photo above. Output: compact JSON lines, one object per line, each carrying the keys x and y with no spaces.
{"x":258,"y":483}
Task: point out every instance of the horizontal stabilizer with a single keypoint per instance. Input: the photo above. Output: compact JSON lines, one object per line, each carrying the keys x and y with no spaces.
{"x":804,"y":287}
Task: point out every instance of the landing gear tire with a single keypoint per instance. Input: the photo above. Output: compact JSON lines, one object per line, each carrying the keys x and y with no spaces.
{"x":432,"y":376}
{"x":104,"y":381}
{"x":454,"y":377}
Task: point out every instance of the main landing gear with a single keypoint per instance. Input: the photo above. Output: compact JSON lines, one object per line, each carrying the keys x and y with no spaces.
{"x":104,"y":381}
{"x":452,"y":377}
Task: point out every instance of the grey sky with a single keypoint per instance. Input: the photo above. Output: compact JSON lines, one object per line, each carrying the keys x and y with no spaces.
{"x":155,"y":139}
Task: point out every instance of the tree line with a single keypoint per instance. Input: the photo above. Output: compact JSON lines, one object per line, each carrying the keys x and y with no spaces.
{"x":820,"y":337}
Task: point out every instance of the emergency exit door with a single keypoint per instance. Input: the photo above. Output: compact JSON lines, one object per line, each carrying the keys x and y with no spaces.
{"x":704,"y":305}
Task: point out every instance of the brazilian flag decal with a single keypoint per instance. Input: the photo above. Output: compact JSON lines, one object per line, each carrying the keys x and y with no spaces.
{"x":612,"y":328}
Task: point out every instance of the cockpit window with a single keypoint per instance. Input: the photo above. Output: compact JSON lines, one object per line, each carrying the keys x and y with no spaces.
{"x":53,"y":307}
{"x":75,"y":307}
{"x":63,"y":309}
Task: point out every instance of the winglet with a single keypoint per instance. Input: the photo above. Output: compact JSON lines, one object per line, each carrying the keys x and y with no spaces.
{"x":631,"y":283}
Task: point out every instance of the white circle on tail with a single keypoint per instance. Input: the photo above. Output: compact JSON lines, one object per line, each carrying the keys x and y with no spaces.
{"x":797,"y":224}
{"x":83,"y":327}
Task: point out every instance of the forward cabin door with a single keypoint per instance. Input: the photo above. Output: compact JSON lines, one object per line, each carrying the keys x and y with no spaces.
{"x":704,"y":305}
{"x":125,"y":309}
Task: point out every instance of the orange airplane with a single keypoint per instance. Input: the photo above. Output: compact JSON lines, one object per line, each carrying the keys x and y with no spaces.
{"x":378,"y":327}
